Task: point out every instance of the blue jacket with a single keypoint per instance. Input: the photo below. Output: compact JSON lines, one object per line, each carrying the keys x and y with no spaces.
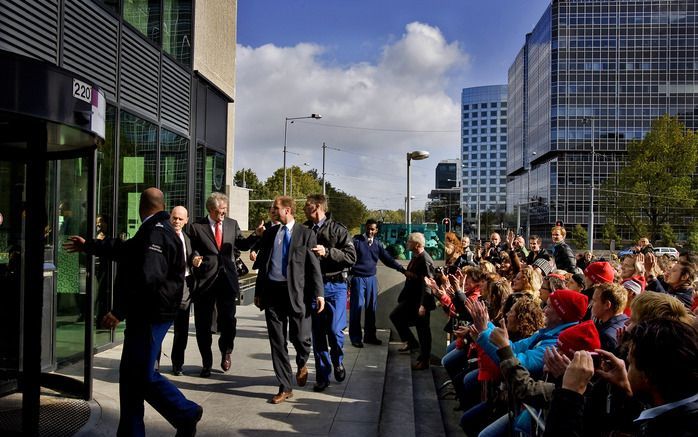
{"x":607,"y":332}
{"x":528,"y":351}
{"x":367,"y":257}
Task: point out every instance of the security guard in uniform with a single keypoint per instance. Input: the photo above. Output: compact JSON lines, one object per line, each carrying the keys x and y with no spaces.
{"x":337,"y":254}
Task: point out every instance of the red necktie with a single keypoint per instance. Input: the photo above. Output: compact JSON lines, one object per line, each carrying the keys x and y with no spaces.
{"x":219,"y":235}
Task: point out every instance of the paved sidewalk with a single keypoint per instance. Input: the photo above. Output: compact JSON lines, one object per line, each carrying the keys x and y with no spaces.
{"x":236,"y":403}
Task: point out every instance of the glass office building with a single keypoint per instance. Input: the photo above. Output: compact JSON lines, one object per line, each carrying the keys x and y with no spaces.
{"x":483,"y":151}
{"x":593,"y":74}
{"x":113,"y":97}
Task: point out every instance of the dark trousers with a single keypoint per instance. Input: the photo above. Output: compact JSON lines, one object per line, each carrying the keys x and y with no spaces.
{"x":222,"y":295}
{"x":139,"y":381}
{"x":364,"y":295}
{"x":284,"y":324}
{"x":405,"y":315}
{"x":181,"y":335}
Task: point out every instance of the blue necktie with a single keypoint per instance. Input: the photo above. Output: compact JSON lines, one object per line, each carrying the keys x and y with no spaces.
{"x":284,"y":250}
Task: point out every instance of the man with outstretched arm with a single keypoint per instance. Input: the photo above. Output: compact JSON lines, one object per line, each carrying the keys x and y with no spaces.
{"x":148,"y":293}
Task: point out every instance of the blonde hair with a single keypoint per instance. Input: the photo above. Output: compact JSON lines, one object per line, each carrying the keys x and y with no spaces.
{"x":533,"y":279}
{"x":562,"y":230}
{"x":652,"y":305}
{"x":614,"y":293}
{"x":487,"y":266}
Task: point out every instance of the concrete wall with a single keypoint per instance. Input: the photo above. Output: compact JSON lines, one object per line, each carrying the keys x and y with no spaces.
{"x":239,"y":205}
{"x":215,"y":39}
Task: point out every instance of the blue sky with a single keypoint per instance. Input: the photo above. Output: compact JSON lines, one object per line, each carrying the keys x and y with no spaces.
{"x":385,"y":74}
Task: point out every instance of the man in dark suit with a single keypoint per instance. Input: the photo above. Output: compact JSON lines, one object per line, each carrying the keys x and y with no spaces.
{"x":416,"y":302}
{"x":179,"y":217}
{"x":148,"y":291}
{"x":289,"y":282}
{"x":214,"y":240}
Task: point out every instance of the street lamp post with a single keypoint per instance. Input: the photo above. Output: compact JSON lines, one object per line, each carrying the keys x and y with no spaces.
{"x":324,"y":149}
{"x":590,"y":122}
{"x":528,"y":198}
{"x":291,"y":119}
{"x":416,"y":155}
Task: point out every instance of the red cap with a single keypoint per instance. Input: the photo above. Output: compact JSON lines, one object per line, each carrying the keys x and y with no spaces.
{"x":580,"y":337}
{"x":600,"y":272}
{"x":570,"y":305}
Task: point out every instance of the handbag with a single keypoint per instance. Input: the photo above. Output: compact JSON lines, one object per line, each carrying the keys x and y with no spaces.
{"x":241,"y":267}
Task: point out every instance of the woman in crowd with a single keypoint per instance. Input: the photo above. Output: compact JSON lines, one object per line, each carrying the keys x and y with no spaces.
{"x":528,"y":280}
{"x":680,"y":280}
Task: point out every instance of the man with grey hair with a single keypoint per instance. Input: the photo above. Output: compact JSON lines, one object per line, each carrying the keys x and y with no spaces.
{"x":415,"y":302}
{"x":214,"y":241}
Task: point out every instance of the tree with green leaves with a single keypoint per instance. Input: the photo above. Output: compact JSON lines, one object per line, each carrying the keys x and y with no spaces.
{"x":580,"y":237}
{"x":610,"y":233}
{"x":656,"y":185}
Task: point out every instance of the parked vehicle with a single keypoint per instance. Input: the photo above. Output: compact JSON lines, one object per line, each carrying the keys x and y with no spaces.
{"x":670,"y":251}
{"x":626,"y":251}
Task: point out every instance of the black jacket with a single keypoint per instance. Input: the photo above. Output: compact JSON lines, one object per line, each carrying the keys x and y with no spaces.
{"x":217,"y":262}
{"x":150,"y":271}
{"x":341,"y":253}
{"x":416,"y":292}
{"x":303,"y":271}
{"x":564,"y":257}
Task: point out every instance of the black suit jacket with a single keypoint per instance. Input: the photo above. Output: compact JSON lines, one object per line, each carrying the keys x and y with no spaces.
{"x":217,"y":262}
{"x":303,"y":271}
{"x":416,"y":292}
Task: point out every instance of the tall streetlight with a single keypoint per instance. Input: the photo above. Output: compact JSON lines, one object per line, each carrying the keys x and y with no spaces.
{"x":590,"y":122}
{"x":291,"y":119}
{"x":324,"y":149}
{"x":528,"y":197}
{"x":417,"y":155}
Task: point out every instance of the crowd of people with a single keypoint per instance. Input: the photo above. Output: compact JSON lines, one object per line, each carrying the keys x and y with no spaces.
{"x":544,"y":342}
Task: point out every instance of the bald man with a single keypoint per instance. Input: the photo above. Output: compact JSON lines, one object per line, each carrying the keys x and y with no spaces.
{"x":148,"y":293}
{"x":179,"y":217}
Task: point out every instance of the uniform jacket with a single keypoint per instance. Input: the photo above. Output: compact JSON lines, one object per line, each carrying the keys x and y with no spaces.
{"x":340,"y":249}
{"x":303,"y":270}
{"x":367,"y":257}
{"x":415,"y":291}
{"x":150,"y":270}
{"x":217,"y":262}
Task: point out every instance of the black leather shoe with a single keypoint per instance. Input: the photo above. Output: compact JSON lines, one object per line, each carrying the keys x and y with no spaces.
{"x":205,"y":372}
{"x":188,"y":429}
{"x":373,"y":341}
{"x":357,"y":344}
{"x":321,"y":386}
{"x":408,"y":348}
{"x":340,"y":373}
{"x":177,"y":370}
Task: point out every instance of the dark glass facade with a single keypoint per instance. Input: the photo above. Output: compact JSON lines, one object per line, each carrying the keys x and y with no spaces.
{"x":446,"y":175}
{"x":594,"y":74}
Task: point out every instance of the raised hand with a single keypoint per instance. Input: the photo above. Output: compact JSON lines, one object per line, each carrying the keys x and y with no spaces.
{"x":613,"y":370}
{"x":579,"y":372}
{"x":499,"y":336}
{"x":478,"y":312}
{"x":554,"y":362}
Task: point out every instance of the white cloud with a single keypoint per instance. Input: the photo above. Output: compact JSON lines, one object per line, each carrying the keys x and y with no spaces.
{"x":405,"y":91}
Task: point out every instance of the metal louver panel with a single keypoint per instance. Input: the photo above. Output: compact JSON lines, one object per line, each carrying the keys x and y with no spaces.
{"x":140,"y":71}
{"x":91,"y":50}
{"x":176,"y":86}
{"x":30,"y":28}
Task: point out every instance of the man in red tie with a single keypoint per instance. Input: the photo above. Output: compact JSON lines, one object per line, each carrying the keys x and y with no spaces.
{"x":214,"y":241}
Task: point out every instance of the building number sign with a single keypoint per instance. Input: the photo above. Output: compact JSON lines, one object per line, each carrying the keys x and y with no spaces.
{"x":82,"y":91}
